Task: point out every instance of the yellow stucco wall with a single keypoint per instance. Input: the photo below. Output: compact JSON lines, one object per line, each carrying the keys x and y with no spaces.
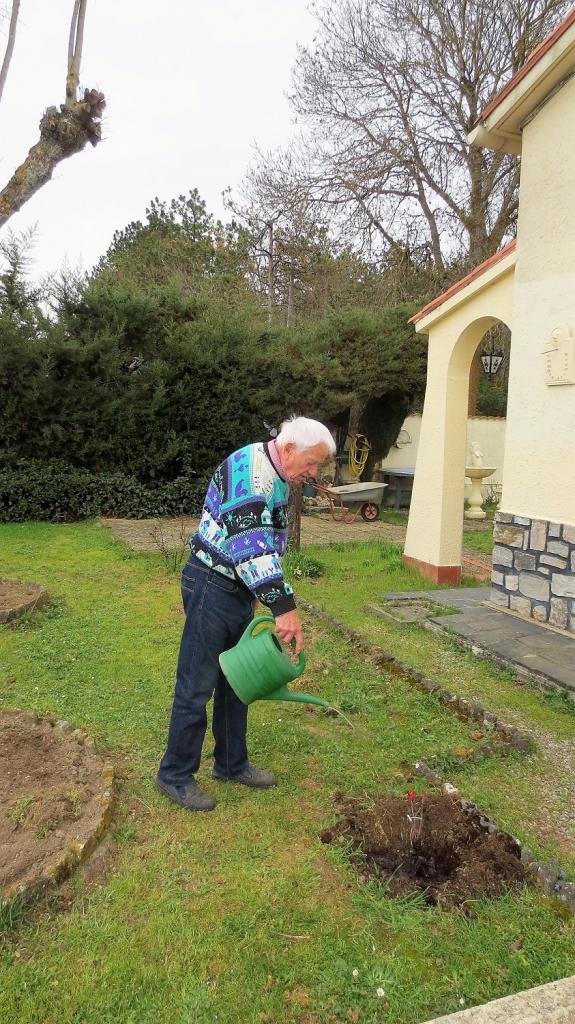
{"x":434,"y":533}
{"x":539,"y":458}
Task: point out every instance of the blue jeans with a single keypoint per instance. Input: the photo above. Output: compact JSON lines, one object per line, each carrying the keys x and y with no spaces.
{"x":217,"y":613}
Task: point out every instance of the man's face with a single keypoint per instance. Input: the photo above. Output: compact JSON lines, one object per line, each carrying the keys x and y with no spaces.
{"x":298,"y":465}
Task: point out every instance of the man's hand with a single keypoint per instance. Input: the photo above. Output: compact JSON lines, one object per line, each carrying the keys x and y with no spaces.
{"x":288,"y":627}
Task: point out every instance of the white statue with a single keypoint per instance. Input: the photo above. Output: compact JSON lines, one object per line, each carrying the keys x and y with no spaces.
{"x":476,"y":454}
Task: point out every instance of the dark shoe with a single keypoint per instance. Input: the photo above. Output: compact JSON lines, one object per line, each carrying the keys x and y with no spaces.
{"x":257,"y":778}
{"x":189,"y":796}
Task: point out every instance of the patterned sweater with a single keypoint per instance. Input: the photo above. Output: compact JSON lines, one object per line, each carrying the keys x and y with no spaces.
{"x":243,"y":529}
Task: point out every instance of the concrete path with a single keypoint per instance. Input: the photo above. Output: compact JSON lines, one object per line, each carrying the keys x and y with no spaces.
{"x":546,"y":1004}
{"x":525,"y":645}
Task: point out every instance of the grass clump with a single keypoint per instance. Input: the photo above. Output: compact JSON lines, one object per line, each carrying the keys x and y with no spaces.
{"x":298,"y":564}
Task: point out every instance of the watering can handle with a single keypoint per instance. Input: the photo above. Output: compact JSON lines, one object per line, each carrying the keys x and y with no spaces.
{"x":270,"y":619}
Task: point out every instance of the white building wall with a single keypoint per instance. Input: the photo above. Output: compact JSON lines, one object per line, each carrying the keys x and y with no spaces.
{"x":488,"y":431}
{"x":539,"y":469}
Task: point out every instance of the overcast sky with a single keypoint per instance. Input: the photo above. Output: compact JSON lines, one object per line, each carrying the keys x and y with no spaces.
{"x":190,"y":86}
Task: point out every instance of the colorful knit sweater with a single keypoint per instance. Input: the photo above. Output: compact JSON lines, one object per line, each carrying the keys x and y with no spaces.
{"x":243,"y":529}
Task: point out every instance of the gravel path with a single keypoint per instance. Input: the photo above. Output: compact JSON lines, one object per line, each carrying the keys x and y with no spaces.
{"x":150,"y":534}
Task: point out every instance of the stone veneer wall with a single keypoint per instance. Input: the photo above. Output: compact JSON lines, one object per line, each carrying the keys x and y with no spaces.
{"x":534,"y":569}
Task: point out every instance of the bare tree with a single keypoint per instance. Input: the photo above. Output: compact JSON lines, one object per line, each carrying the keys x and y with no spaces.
{"x":62,"y":132}
{"x":387,"y":94}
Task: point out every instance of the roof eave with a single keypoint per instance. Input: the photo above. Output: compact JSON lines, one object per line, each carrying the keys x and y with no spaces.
{"x":551,"y":65}
{"x":498,"y":265}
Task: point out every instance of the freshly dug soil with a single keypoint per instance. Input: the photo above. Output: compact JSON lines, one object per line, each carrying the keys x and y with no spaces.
{"x":51,"y":788}
{"x":16,"y":597}
{"x":444,"y":852}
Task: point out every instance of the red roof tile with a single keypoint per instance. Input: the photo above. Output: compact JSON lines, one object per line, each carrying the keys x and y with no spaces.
{"x":531,"y":61}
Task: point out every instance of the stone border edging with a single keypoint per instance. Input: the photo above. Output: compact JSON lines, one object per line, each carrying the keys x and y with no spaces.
{"x":30,"y":605}
{"x":78,"y":849}
{"x":550,"y":877}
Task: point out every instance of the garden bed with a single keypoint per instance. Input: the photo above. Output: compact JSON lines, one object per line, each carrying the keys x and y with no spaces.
{"x":55,"y":800}
{"x":428,"y":843}
{"x":17,"y":598}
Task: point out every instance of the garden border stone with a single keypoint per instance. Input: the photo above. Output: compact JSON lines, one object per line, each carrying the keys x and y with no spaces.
{"x":77,"y":850}
{"x":37,"y":600}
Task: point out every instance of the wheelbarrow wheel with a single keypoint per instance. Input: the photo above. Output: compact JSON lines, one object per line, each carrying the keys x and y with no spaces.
{"x":369,"y":511}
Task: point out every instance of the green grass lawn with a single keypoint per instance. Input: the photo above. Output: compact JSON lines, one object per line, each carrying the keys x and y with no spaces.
{"x":242,"y":915}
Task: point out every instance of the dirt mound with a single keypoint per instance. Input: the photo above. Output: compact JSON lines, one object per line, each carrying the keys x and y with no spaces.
{"x":55,"y":800}
{"x":428,"y":843}
{"x":17,"y":598}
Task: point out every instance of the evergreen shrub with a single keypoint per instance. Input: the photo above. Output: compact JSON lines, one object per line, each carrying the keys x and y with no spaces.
{"x":57,"y":492}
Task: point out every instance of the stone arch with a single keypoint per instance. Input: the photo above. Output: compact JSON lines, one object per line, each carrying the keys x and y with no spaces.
{"x":456,"y":323}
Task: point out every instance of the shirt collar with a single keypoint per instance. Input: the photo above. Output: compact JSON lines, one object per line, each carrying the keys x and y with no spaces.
{"x":273,"y":455}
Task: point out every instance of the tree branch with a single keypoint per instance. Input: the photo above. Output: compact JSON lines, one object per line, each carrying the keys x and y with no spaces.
{"x":75,"y":43}
{"x":62,"y":133}
{"x":9,"y":45}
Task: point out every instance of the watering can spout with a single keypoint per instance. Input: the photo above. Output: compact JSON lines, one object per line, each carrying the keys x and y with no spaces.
{"x":257,"y":668}
{"x":299,"y":698}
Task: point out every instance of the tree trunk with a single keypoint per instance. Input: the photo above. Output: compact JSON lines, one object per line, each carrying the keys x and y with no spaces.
{"x":294,"y":517}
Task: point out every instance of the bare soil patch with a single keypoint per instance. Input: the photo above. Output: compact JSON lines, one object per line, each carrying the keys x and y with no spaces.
{"x":55,"y":800}
{"x":429,"y":844}
{"x":17,"y":598}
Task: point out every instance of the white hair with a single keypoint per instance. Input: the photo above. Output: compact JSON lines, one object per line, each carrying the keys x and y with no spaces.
{"x":305,"y":433}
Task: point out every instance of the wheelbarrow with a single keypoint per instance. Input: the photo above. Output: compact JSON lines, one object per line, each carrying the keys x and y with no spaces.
{"x":347,"y":501}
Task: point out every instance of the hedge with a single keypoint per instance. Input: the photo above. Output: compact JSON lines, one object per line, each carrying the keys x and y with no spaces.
{"x":60,"y":493}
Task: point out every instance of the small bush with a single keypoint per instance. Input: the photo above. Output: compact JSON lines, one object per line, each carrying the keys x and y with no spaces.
{"x":297,"y":564}
{"x":60,"y":493}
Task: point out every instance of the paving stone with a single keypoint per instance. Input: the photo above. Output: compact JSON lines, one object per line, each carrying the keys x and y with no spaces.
{"x":499,"y":597}
{"x":569,"y":533}
{"x":553,"y":1003}
{"x":512,"y":582}
{"x":554,"y":530}
{"x":540,"y":612}
{"x":520,"y":642}
{"x":497,"y":578}
{"x":521,"y":521}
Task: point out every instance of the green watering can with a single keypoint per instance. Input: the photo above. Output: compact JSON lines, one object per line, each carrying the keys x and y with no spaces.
{"x":258,"y":669}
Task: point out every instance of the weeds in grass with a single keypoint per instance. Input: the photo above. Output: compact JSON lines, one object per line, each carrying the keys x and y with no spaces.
{"x":12,"y":912}
{"x":44,"y":830}
{"x":35,"y":619}
{"x":560,"y":700}
{"x":173,"y":554}
{"x":298,"y":564}
{"x":18,"y":810}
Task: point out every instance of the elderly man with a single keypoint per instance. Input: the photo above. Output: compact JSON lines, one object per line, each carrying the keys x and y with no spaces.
{"x":234,"y":560}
